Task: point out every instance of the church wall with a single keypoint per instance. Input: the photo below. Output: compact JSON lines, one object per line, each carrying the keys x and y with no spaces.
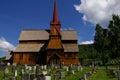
{"x":25,"y":58}
{"x":71,"y":58}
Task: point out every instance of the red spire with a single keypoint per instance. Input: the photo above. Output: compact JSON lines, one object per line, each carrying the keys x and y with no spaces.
{"x":55,"y":14}
{"x":55,"y":23}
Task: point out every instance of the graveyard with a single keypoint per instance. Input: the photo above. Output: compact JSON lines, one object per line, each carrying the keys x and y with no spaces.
{"x":58,"y":72}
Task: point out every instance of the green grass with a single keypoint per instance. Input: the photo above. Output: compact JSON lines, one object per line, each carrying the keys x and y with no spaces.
{"x":77,"y":75}
{"x":101,"y":75}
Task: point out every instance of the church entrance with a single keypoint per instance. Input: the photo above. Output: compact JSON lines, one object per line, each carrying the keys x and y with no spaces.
{"x":54,"y":60}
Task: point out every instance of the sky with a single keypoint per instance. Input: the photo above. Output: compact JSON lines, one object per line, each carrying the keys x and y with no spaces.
{"x":79,"y":15}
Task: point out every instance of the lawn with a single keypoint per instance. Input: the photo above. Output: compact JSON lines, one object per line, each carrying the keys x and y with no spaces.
{"x":101,"y":75}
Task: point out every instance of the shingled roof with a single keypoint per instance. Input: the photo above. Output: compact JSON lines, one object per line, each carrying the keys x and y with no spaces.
{"x":70,"y":47}
{"x":34,"y":35}
{"x":28,"y":48}
{"x":44,"y":35}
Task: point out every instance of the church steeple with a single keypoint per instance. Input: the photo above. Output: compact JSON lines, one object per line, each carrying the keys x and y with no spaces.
{"x":55,"y":23}
{"x":55,"y":14}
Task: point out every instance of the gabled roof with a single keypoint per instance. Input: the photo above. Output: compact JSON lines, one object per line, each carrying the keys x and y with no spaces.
{"x":27,"y":35}
{"x":28,"y":48}
{"x":34,"y":35}
{"x":70,"y":47}
{"x":69,"y":35}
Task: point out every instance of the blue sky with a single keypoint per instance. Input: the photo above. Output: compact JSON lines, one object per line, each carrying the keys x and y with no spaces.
{"x":16,"y":15}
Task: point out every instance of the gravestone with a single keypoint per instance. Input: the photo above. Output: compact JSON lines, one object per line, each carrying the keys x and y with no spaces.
{"x":6,"y":72}
{"x":42,"y":67}
{"x":85,"y":77}
{"x":14,"y":78}
{"x":34,"y":69}
{"x":15,"y":73}
{"x":13,"y":69}
{"x":62,"y":74}
{"x":26,"y":67}
{"x":78,"y":68}
{"x":81,"y":68}
{"x":45,"y":67}
{"x":44,"y":72}
{"x":42,"y":77}
{"x":37,"y":69}
{"x":118,"y":75}
{"x":27,"y":71}
{"x":30,"y":68}
{"x":56,"y":77}
{"x":47,"y":77}
{"x":67,"y":69}
{"x":32,"y":76}
{"x":22,"y":71}
{"x":25,"y":76}
{"x":73,"y":72}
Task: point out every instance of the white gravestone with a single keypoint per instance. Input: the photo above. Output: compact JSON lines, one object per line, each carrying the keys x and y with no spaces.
{"x":30,"y":68}
{"x":73,"y":72}
{"x":42,"y":67}
{"x":47,"y":77}
{"x":15,"y":74}
{"x":67,"y":69}
{"x":45,"y":67}
{"x":6,"y":72}
{"x":85,"y":77}
{"x":44,"y":72}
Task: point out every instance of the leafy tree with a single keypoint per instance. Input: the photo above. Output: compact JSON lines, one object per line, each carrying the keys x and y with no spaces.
{"x":114,"y":36}
{"x":107,"y":41}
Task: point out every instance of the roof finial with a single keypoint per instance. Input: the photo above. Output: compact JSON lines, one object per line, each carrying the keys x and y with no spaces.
{"x":55,"y":14}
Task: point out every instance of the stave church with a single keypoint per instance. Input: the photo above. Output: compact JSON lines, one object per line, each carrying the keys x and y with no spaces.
{"x":54,"y":46}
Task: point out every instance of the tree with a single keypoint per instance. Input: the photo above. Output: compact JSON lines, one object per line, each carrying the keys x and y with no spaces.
{"x":114,"y":36}
{"x":107,"y":41}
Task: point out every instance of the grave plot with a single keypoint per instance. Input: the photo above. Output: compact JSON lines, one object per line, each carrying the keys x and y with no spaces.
{"x":43,"y":72}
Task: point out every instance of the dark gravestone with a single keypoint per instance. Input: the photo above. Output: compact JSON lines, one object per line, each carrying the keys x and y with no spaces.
{"x":26,"y":76}
{"x":119,"y":75}
{"x":32,"y":76}
{"x":40,"y":77}
{"x":81,"y":79}
{"x":56,"y":77}
{"x":14,"y":78}
{"x":37,"y":69}
{"x":62,"y":74}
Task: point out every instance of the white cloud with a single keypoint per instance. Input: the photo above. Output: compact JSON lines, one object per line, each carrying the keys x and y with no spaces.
{"x":87,"y":42}
{"x":5,"y":45}
{"x":98,"y":11}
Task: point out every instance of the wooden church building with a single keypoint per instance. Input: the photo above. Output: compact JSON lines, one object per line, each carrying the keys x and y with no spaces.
{"x":54,"y":46}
